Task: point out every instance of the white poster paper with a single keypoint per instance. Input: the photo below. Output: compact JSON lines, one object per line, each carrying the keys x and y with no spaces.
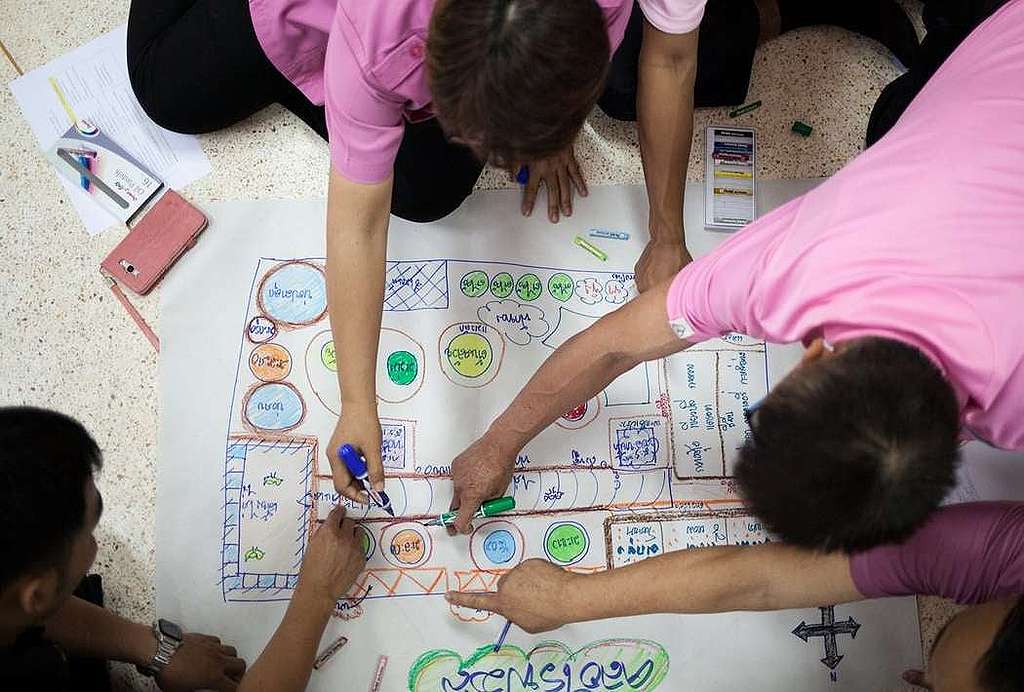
{"x":473,"y":305}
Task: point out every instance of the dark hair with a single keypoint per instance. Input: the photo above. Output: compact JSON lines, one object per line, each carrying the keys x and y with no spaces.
{"x":516,"y":78}
{"x":1001,"y":669}
{"x":46,"y":458}
{"x":853,"y":450}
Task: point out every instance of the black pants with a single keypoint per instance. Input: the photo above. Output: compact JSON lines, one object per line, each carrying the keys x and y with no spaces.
{"x":196,"y":66}
{"x":725,"y":57}
{"x":948,"y":23}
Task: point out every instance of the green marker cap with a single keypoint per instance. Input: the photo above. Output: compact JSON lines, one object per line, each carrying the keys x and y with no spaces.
{"x":497,"y":506}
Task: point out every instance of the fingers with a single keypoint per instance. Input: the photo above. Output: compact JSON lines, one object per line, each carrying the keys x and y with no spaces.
{"x":565,"y":187}
{"x":554,"y":196}
{"x":916,"y":678}
{"x":530,"y":193}
{"x":228,"y":651}
{"x":468,"y":505}
{"x":234,"y":667}
{"x":227,"y":685}
{"x":344,"y":483}
{"x":479,"y":601}
{"x":577,"y":176}
{"x":335,"y":518}
{"x":375,"y":466}
{"x":451,"y":508}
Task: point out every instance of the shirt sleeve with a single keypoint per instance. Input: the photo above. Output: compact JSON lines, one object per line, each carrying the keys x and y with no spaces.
{"x":364,"y":123}
{"x":730,"y":288}
{"x":674,"y":16}
{"x":970,"y":553}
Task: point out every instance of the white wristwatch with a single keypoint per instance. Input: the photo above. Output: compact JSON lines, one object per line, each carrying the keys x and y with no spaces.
{"x":169,"y":638}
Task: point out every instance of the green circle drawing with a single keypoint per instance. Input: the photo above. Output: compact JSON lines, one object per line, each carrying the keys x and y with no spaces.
{"x":474,"y":284}
{"x":502,"y":285}
{"x":560,"y":286}
{"x":566,"y":542}
{"x":402,"y":368}
{"x":328,"y":357}
{"x":365,"y":540}
{"x":529,"y":287}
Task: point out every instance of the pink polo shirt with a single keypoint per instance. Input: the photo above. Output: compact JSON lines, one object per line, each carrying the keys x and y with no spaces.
{"x":364,"y":61}
{"x":971,"y":553}
{"x":919,"y":239}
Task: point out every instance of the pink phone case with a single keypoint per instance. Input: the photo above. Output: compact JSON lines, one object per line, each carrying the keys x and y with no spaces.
{"x":156,"y":242}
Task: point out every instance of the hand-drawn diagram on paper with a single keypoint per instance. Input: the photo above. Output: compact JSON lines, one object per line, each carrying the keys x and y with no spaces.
{"x":614,"y":481}
{"x":250,"y":398}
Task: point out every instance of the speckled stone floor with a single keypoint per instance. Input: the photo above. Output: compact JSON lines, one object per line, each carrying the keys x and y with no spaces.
{"x":66,"y":343}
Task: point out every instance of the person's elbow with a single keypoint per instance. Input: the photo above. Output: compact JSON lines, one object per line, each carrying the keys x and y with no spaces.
{"x":676,"y":53}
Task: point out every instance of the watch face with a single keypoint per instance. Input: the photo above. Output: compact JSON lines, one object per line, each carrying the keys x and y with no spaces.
{"x":171,"y":630}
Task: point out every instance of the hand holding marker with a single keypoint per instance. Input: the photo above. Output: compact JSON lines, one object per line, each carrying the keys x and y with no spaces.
{"x":356,"y":465}
{"x":487,"y":509}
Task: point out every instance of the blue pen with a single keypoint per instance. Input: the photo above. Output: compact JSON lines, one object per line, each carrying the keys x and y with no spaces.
{"x":356,"y":465}
{"x":87,"y":165}
{"x":501,"y":637}
{"x":605,"y":233}
{"x":523,"y":176}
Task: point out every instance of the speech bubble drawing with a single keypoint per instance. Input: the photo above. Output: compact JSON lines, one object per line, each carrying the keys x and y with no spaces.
{"x":611,"y":664}
{"x":519,"y":323}
{"x":589,"y":290}
{"x":615,"y":292}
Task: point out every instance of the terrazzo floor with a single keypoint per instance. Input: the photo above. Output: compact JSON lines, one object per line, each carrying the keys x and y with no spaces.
{"x":66,"y":343}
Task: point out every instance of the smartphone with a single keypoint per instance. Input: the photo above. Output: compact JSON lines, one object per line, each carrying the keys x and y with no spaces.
{"x":162,"y":235}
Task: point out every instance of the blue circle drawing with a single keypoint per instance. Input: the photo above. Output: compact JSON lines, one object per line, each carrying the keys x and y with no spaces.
{"x":499,"y":546}
{"x":294,"y":293}
{"x":274,"y":406}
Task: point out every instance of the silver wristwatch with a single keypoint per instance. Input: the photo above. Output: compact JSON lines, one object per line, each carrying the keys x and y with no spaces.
{"x":169,"y":638}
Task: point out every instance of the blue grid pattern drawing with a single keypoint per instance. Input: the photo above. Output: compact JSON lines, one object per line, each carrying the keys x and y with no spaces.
{"x":420,"y":285}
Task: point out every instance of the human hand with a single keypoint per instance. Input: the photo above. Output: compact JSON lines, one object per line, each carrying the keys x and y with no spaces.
{"x":202,"y":663}
{"x":483,"y":471}
{"x":359,"y":427}
{"x":533,"y":596}
{"x":916,"y":678}
{"x":559,"y":173}
{"x":661,"y":259}
{"x":333,"y":560}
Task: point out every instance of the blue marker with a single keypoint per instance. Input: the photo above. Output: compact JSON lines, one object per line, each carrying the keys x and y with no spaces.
{"x":501,"y":638}
{"x":356,"y":465}
{"x":604,"y":233}
{"x":523,"y":176}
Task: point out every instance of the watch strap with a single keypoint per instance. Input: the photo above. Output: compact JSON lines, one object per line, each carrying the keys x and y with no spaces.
{"x":166,"y":647}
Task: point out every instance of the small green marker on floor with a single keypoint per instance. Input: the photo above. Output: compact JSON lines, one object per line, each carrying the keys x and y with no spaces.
{"x":743,"y":110}
{"x":802,"y":129}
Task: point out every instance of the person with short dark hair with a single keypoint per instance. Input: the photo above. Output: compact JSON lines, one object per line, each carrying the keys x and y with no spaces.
{"x":51,"y":508}
{"x":509,"y":81}
{"x":971,"y":553}
{"x":901,"y":274}
{"x":52,"y":639}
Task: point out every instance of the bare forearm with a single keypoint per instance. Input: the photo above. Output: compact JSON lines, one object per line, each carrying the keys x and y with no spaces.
{"x":356,"y":248}
{"x":586,"y":364}
{"x":714,"y":580}
{"x":287,"y":661}
{"x":668,"y":68}
{"x":88,"y":631}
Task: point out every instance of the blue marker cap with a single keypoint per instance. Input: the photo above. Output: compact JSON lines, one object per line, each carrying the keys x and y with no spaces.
{"x":523,"y":176}
{"x":353,"y":460}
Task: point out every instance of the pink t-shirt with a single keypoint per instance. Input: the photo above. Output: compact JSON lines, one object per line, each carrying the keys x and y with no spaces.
{"x":364,"y":61}
{"x":919,"y":239}
{"x":971,"y":553}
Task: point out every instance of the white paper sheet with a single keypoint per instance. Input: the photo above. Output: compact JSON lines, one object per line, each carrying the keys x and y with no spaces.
{"x":94,"y":80}
{"x":473,"y":305}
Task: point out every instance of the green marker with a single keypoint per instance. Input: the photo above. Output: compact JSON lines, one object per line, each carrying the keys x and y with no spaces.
{"x":487,"y":509}
{"x":743,"y":110}
{"x":591,"y":248}
{"x":802,"y":129}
